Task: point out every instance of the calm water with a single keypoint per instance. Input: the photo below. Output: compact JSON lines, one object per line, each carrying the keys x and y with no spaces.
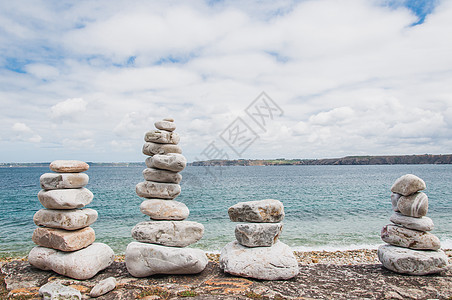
{"x":327,"y":207}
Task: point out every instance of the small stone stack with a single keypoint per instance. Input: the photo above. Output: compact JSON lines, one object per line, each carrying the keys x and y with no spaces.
{"x":65,"y":240}
{"x":411,"y":249}
{"x":160,"y":242}
{"x":257,"y":252}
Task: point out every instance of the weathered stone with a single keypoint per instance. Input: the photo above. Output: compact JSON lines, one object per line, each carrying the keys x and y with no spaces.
{"x":258,"y":234}
{"x":66,"y":198}
{"x":154,"y":148}
{"x":409,"y":238}
{"x":144,"y":260}
{"x":71,"y":219}
{"x":68,"y":166}
{"x":150,"y":189}
{"x":268,"y":263}
{"x":165,"y":125}
{"x":63,"y":240}
{"x":421,"y":224}
{"x":164,"y":209}
{"x":168,"y":233}
{"x":103,"y":287}
{"x":172,"y":162}
{"x":56,"y":291}
{"x":82,"y":264}
{"x":262,"y":211}
{"x":156,"y":175}
{"x":52,"y":181}
{"x":415,"y":205}
{"x":408,"y":184}
{"x":413,"y":262}
{"x":394,"y":200}
{"x":162,"y":137}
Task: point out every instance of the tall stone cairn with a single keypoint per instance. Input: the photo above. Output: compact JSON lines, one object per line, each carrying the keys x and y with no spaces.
{"x":257,"y":251}
{"x":160,"y":243}
{"x":411,"y":248}
{"x":65,"y":240}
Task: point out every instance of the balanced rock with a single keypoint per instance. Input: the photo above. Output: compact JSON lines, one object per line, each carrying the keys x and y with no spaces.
{"x":258,"y":234}
{"x":409,"y":238}
{"x":103,"y":287}
{"x":413,"y":262}
{"x":82,"y":264}
{"x":68,"y":166}
{"x":168,"y":233}
{"x":408,"y":184}
{"x":159,"y":209}
{"x":150,"y":189}
{"x":394,"y":201}
{"x":268,"y":263}
{"x":63,"y":240}
{"x":415,"y":205}
{"x":421,"y":224}
{"x":53,"y":181}
{"x":55,"y":290}
{"x":162,"y":137}
{"x":157,"y":175}
{"x":144,"y":260}
{"x":261,"y":211}
{"x":71,"y":219}
{"x":65,"y":198}
{"x":172,"y":162}
{"x":154,"y":148}
{"x":165,"y":125}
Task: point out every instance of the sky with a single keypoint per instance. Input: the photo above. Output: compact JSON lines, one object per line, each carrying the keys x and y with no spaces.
{"x":86,"y":80}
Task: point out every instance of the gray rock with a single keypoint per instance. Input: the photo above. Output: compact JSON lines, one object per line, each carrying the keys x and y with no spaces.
{"x":65,"y":199}
{"x":156,"y":175}
{"x":103,"y":287}
{"x":268,"y":263}
{"x":82,"y":264}
{"x":262,"y":211}
{"x":165,"y":125}
{"x":421,"y":224}
{"x":55,"y":290}
{"x":258,"y":234}
{"x":394,"y":200}
{"x":154,"y":148}
{"x":413,"y":262}
{"x":150,"y":189}
{"x":409,"y":238}
{"x":71,"y":219}
{"x":63,"y":240}
{"x":408,"y":184}
{"x":53,"y":181}
{"x":159,"y":209}
{"x":68,"y":166}
{"x":415,"y":205}
{"x":168,"y":233}
{"x":144,"y":260}
{"x":162,"y":137}
{"x":172,"y":162}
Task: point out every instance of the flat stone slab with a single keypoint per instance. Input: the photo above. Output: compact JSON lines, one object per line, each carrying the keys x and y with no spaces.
{"x":144,"y":260}
{"x":165,"y":125}
{"x":82,"y":264}
{"x":171,"y":162}
{"x":422,"y":223}
{"x":53,"y":181}
{"x":415,"y":205}
{"x":68,"y":166}
{"x":261,"y":211}
{"x":258,"y":234}
{"x":409,"y":238}
{"x":168,"y":233}
{"x":159,"y":209}
{"x":64,"y":240}
{"x":161,"y":137}
{"x":154,"y":148}
{"x":408,"y":184}
{"x":65,"y":198}
{"x":71,"y":219}
{"x":55,"y":290}
{"x":165,"y":176}
{"x":413,"y":262}
{"x":150,"y":189}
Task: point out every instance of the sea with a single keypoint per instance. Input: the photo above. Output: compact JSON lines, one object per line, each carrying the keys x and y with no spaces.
{"x":326,"y":207}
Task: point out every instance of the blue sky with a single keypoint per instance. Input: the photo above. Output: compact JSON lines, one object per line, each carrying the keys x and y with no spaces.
{"x":85,"y":80}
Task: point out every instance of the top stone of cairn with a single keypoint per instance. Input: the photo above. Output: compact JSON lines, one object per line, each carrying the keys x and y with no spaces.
{"x":408,"y":184}
{"x":261,"y":211}
{"x":68,"y":166}
{"x":166,"y":124}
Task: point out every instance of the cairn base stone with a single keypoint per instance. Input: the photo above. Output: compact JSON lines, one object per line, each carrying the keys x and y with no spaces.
{"x":71,"y":219}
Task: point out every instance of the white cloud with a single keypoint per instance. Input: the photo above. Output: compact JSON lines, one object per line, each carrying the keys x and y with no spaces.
{"x":68,"y":109}
{"x":24,"y":133}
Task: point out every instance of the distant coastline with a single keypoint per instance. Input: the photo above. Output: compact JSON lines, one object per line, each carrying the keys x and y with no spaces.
{"x":92,"y":164}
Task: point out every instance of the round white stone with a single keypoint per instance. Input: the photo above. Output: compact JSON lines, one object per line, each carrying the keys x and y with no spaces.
{"x":172,"y":162}
{"x":154,"y":148}
{"x":421,"y":224}
{"x":415,"y":205}
{"x":53,"y":181}
{"x":71,"y":219}
{"x":65,"y":198}
{"x":165,"y":176}
{"x":150,"y":189}
{"x":159,"y":209}
{"x":165,"y":125}
{"x":161,"y":137}
{"x":258,"y":234}
{"x":408,"y":184}
{"x":262,"y":211}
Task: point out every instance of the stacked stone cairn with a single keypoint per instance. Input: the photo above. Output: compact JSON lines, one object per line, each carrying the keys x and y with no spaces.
{"x":257,"y":251}
{"x":65,"y":240}
{"x":161,"y":242}
{"x":411,"y":248}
